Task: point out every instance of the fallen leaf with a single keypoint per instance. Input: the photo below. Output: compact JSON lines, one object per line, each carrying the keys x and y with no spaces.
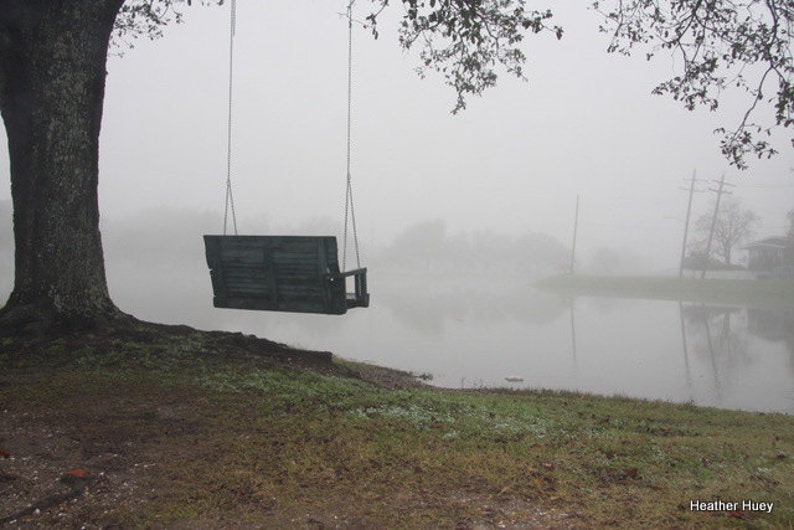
{"x":76,"y":473}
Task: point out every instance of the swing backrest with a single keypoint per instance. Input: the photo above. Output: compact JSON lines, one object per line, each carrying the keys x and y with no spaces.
{"x":281,"y":273}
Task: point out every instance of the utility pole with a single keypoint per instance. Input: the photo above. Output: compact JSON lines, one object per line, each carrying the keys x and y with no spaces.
{"x":575,"y":229}
{"x":719,"y":191}
{"x":686,"y":223}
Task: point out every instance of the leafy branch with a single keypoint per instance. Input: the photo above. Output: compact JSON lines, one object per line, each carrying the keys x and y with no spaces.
{"x":467,"y":41}
{"x":742,"y":44}
{"x":138,"y":18}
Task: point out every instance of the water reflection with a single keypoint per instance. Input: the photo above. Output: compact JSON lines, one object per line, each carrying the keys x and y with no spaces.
{"x":776,"y":325}
{"x":466,"y":333}
{"x":724,"y":356}
{"x":685,"y":348}
{"x":572,"y":302}
{"x":714,"y":340}
{"x":730,"y":357}
{"x":736,"y":343}
{"x":431,"y":313}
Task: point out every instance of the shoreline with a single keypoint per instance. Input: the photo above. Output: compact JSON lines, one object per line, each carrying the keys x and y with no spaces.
{"x":755,"y":293}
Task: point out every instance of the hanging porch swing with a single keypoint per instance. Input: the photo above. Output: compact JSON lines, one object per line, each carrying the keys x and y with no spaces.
{"x":278,"y":272}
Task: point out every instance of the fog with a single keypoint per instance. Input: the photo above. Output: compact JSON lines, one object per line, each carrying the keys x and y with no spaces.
{"x":507,"y":169}
{"x":457,"y":214}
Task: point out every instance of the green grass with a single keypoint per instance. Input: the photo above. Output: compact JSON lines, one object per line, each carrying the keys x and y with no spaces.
{"x":274,"y":446}
{"x":745,"y":292}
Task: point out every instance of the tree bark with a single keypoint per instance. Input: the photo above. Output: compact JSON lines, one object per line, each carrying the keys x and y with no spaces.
{"x":52,"y":84}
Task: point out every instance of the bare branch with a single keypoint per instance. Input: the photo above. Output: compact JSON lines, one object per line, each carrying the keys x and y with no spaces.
{"x":721,"y":42}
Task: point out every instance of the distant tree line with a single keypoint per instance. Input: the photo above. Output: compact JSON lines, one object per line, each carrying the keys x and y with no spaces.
{"x":428,"y":246}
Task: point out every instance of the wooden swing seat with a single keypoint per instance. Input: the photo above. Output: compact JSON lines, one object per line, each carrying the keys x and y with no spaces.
{"x":282,"y":273}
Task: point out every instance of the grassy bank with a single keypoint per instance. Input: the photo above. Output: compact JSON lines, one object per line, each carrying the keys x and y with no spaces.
{"x":746,"y":292}
{"x":176,"y":434}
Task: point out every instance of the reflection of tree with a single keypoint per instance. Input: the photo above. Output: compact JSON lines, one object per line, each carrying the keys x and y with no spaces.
{"x":776,"y":325}
{"x":719,"y":335}
{"x":429,"y":311}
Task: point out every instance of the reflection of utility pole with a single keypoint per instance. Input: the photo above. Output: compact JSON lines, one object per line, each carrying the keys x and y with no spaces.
{"x":714,"y":368}
{"x":573,"y":331}
{"x":686,"y":224}
{"x":719,"y":193}
{"x":575,"y":228}
{"x":686,"y":349}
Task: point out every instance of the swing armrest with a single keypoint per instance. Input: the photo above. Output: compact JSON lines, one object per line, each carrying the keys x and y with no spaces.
{"x":359,"y":297}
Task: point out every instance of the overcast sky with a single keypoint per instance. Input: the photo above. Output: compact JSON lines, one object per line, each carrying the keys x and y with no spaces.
{"x":514,"y":161}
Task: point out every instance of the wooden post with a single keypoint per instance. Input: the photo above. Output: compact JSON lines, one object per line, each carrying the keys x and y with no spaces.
{"x":719,"y":193}
{"x":686,"y":226}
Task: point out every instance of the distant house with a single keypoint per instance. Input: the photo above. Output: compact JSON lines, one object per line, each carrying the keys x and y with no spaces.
{"x":767,"y":254}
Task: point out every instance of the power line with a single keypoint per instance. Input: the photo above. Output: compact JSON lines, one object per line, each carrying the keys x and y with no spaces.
{"x":764,"y":186}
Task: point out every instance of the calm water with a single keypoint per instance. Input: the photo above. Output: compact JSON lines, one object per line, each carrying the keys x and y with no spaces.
{"x":728,"y":357}
{"x":465,"y":334}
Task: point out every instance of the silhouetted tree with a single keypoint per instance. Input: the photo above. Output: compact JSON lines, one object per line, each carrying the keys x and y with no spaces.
{"x":734,"y":224}
{"x":427,"y":245}
{"x":420,"y":245}
{"x":540,"y":254}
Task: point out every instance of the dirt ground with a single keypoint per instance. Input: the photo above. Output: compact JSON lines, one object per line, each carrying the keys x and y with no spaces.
{"x":86,"y":461}
{"x":93,"y":476}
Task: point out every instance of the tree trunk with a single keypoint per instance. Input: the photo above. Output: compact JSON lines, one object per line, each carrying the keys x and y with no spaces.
{"x":52,"y":85}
